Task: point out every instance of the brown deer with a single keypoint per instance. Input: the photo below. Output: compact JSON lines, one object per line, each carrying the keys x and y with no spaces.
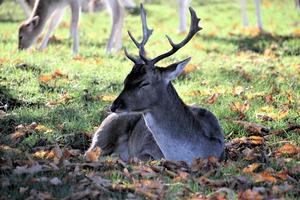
{"x":150,"y":121}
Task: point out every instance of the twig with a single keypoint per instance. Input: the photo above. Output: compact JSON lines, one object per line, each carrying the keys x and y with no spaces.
{"x":282,"y":131}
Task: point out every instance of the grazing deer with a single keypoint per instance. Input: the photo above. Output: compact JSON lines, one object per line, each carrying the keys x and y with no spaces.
{"x":150,"y":120}
{"x":44,"y":9}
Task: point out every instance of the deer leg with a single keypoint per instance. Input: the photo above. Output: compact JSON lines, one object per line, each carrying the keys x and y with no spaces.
{"x":183,"y":4}
{"x":25,"y":7}
{"x":244,"y":13}
{"x":55,"y":20}
{"x":118,"y":33}
{"x":297,"y":4}
{"x":258,"y":14}
{"x":75,"y":10}
{"x":115,"y":9}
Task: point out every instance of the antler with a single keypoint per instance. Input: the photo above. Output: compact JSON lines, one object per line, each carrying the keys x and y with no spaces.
{"x":146,"y":34}
{"x":194,"y":28}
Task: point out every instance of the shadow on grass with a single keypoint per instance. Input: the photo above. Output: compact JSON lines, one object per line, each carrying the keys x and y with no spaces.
{"x":283,"y":45}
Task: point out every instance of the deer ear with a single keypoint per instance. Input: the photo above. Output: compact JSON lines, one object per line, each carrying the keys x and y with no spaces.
{"x":33,"y":22}
{"x":174,"y":70}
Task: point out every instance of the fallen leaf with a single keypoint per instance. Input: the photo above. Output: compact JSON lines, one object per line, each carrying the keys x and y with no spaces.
{"x":269,"y":98}
{"x":250,"y":195}
{"x":213,"y":98}
{"x":287,"y":149}
{"x":257,"y":140}
{"x":93,"y":155}
{"x":108,"y":98}
{"x":238,"y":90}
{"x":264,"y":177}
{"x":45,"y":78}
{"x":251,"y":168}
{"x":240,"y":107}
{"x":189,"y":69}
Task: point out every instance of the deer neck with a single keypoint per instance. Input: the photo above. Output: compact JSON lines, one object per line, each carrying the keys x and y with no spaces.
{"x":172,"y":124}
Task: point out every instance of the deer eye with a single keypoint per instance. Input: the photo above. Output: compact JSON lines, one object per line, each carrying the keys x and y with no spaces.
{"x":20,"y":37}
{"x":143,"y":85}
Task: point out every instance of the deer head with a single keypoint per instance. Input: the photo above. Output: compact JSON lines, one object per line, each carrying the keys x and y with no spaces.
{"x":147,"y":83}
{"x":28,"y":33}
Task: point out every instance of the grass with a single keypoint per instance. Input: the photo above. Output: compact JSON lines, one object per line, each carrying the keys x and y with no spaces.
{"x":226,"y":57}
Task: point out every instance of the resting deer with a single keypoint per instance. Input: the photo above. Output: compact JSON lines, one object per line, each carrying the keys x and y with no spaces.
{"x":150,"y":120}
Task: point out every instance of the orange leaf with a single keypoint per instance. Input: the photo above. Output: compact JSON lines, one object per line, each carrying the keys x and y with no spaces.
{"x":238,"y":107}
{"x":41,"y":154}
{"x":264,"y":177}
{"x":108,"y":98}
{"x":189,"y":68}
{"x":250,"y":195}
{"x":57,"y":72}
{"x":93,"y":155}
{"x":256,"y":140}
{"x":296,"y":33}
{"x":213,"y":98}
{"x":287,"y":149}
{"x":45,"y":78}
{"x":251,"y":168}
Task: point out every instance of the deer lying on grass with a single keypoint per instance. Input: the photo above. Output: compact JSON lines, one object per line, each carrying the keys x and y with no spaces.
{"x":44,"y":9}
{"x":150,"y":121}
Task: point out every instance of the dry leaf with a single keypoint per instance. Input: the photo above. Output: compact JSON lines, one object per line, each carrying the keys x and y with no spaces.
{"x":288,"y":149}
{"x":45,"y":78}
{"x":93,"y":155}
{"x":251,"y":168}
{"x":250,"y":195}
{"x":257,"y":140}
{"x":238,"y":90}
{"x":238,"y":107}
{"x":264,"y":177}
{"x":109,"y":98}
{"x":269,"y":98}
{"x":189,"y":69}
{"x":213,"y":98}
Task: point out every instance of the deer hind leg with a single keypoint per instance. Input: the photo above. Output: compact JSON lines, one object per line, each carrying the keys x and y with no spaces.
{"x":113,"y":133}
{"x":25,"y":7}
{"x":244,"y":13}
{"x":75,"y":10}
{"x":258,"y":14}
{"x":55,"y":20}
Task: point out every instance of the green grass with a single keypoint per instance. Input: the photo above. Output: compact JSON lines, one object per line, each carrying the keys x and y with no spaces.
{"x":224,"y":54}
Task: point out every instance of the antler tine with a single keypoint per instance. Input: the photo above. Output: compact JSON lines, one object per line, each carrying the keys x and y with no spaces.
{"x":146,"y":34}
{"x":130,"y":57}
{"x":194,"y":28}
{"x":146,"y":31}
